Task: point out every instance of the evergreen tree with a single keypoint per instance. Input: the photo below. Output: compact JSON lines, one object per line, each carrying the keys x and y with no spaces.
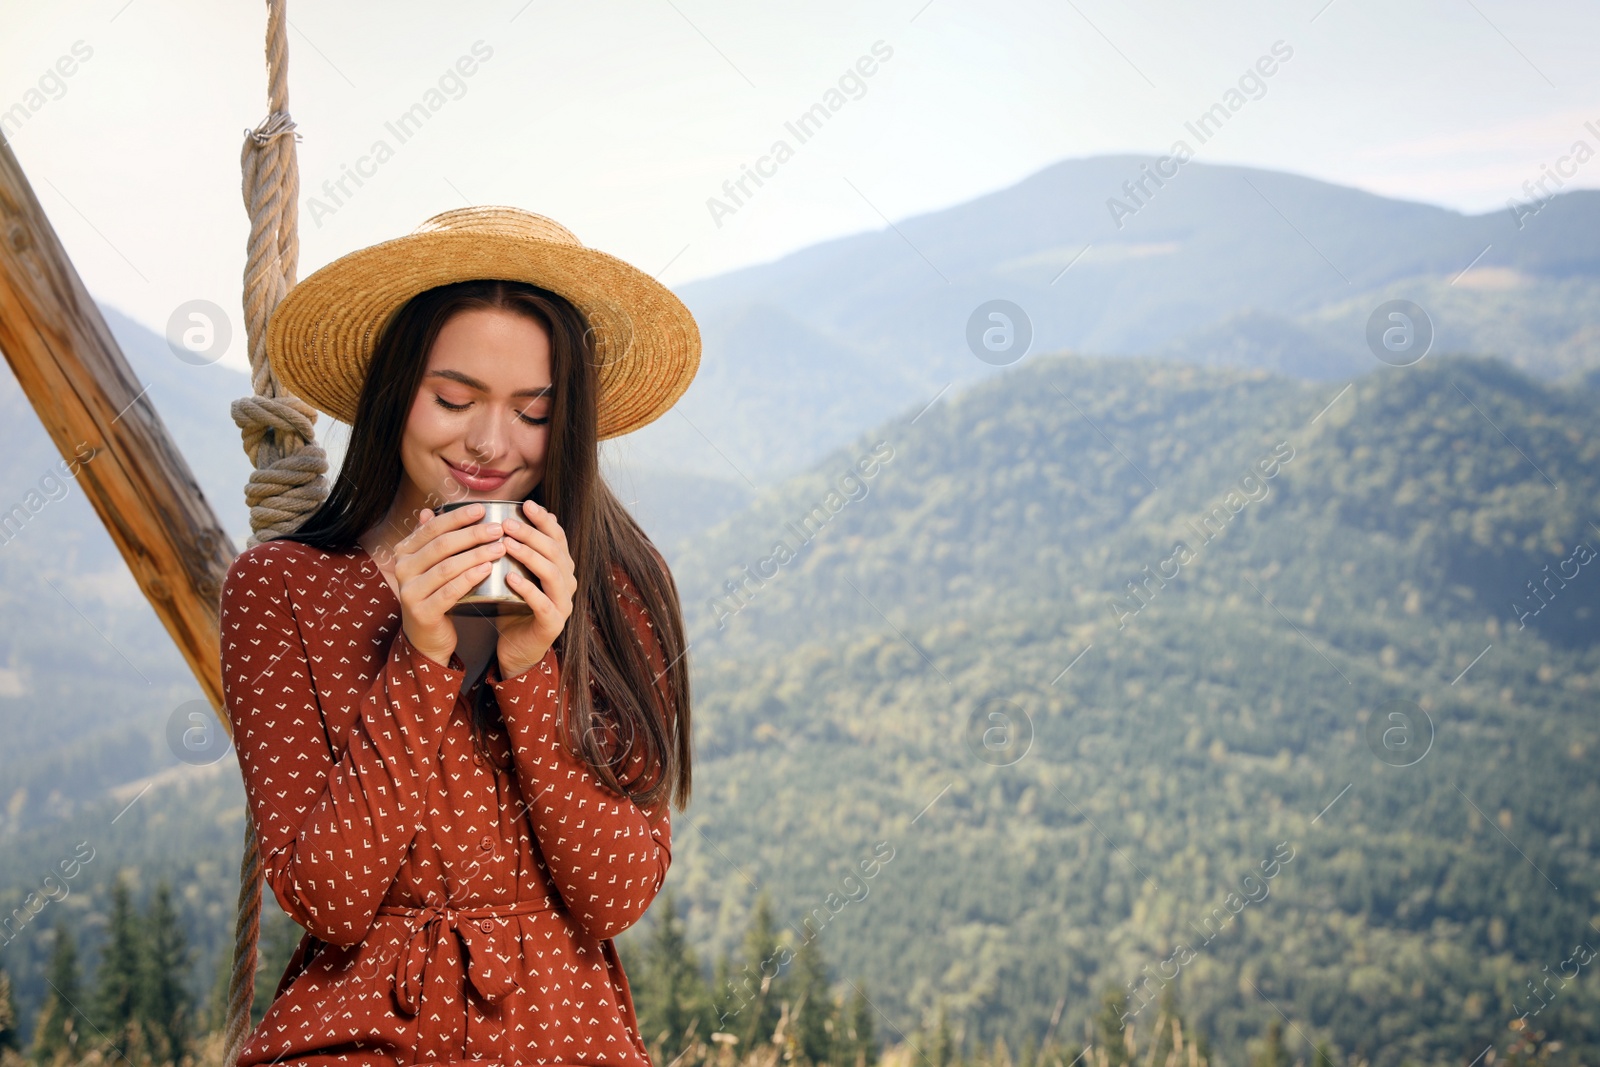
{"x":8,"y":1015}
{"x":672,"y":1000}
{"x":1273,"y":1054}
{"x":1166,"y":1015}
{"x":57,"y":1027}
{"x":216,"y":1014}
{"x":1113,"y":1035}
{"x":724,"y":994}
{"x":857,"y":1044}
{"x":116,"y":994}
{"x":757,"y":982}
{"x":163,"y":1002}
{"x":816,"y":1012}
{"x":943,"y":1051}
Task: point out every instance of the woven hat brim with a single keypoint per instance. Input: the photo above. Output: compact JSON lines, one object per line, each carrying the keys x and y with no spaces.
{"x":321,"y":336}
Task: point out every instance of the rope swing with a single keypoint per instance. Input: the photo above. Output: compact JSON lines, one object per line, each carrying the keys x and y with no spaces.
{"x":288,"y":480}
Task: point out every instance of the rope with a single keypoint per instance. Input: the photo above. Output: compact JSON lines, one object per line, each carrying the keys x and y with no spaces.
{"x":288,"y":481}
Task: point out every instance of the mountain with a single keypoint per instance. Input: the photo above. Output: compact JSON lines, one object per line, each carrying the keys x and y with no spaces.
{"x":1141,"y":673}
{"x":1198,"y":271}
{"x":1080,"y":738}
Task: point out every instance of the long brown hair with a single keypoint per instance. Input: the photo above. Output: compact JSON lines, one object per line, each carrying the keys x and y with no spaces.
{"x":597,"y":645}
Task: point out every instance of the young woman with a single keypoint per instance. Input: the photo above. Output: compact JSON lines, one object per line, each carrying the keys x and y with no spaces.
{"x":463,"y":812}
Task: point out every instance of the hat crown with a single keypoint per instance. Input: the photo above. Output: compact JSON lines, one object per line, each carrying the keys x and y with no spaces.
{"x":501,"y":221}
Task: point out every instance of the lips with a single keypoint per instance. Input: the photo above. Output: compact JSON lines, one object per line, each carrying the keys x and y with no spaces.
{"x":478,"y":479}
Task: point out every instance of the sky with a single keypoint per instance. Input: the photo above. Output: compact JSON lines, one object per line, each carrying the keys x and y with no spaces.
{"x":623,"y":119}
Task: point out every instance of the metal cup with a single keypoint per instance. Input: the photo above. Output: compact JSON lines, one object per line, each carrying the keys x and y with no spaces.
{"x":493,"y":596}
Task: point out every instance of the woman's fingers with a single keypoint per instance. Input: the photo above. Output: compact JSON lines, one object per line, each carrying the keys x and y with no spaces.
{"x":447,"y":595}
{"x":544,"y":542}
{"x":445,"y":546}
{"x":447,"y":571}
{"x":543,"y":607}
{"x":531,"y":557}
{"x":431,"y":524}
{"x":549,"y":572}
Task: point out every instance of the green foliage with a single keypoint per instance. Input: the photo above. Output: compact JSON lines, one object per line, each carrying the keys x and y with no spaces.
{"x":164,"y":1003}
{"x":117,"y":979}
{"x":1112,"y":1025}
{"x":1272,"y":1053}
{"x":1215,"y":723}
{"x":942,"y":1050}
{"x":140,"y":1008}
{"x":670,"y":995}
{"x":855,"y":1043}
{"x":758,"y":983}
{"x":57,"y":1030}
{"x":816,"y":1013}
{"x":10,"y":1034}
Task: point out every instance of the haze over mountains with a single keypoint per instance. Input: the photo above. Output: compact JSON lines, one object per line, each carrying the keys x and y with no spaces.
{"x":1221,"y":265}
{"x":1000,"y":558}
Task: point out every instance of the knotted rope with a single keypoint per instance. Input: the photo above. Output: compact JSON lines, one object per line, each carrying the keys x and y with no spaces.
{"x":288,"y":481}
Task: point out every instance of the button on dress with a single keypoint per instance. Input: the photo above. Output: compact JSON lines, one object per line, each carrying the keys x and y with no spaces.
{"x":460,"y":899}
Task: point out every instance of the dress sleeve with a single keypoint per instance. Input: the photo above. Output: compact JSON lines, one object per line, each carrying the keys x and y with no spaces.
{"x":608,"y":855}
{"x":333,"y":826}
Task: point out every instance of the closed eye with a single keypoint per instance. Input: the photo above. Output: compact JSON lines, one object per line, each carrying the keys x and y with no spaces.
{"x":528,"y":419}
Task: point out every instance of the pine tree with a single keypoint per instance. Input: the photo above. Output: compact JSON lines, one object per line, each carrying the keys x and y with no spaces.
{"x":724,"y":994}
{"x":1273,"y":1054}
{"x":9,"y":1038}
{"x":163,"y":1002}
{"x":672,"y":999}
{"x":857,"y":1045}
{"x":814,"y":1019}
{"x":1166,"y":1015}
{"x":1113,"y":1035}
{"x":116,"y":995}
{"x":943,"y":1052}
{"x":216,"y":1010}
{"x":758,"y":983}
{"x":57,"y":1027}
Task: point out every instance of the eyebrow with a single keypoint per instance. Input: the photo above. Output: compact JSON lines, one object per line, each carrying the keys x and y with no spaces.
{"x":468,"y":380}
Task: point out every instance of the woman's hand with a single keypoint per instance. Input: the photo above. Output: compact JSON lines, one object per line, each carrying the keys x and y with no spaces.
{"x":541,"y":546}
{"x":435,"y":566}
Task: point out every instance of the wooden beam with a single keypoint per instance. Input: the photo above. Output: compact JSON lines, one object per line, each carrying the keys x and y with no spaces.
{"x":87,"y":396}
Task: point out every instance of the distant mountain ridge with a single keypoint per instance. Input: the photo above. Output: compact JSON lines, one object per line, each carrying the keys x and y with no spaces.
{"x":1197,"y":274}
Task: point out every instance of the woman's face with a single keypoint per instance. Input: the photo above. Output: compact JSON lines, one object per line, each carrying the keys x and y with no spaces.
{"x":479,"y":426}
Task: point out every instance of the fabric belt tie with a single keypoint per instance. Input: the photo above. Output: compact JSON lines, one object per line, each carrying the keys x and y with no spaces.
{"x":480,"y":932}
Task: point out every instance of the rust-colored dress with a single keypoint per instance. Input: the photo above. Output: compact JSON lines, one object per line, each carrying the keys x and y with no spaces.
{"x":460,"y":899}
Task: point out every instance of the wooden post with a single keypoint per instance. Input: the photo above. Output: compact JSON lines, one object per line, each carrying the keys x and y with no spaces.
{"x":87,"y":396}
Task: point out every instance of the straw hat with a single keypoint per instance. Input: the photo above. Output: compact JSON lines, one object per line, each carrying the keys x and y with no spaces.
{"x":321,"y":336}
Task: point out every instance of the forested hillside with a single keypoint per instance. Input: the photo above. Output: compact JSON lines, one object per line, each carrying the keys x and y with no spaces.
{"x":1275,"y":695}
{"x":1212,"y":716}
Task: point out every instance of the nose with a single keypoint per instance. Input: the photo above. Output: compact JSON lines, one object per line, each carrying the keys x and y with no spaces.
{"x":486,"y":433}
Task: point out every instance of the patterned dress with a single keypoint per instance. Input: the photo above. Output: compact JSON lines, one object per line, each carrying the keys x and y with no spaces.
{"x":459,"y":898}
